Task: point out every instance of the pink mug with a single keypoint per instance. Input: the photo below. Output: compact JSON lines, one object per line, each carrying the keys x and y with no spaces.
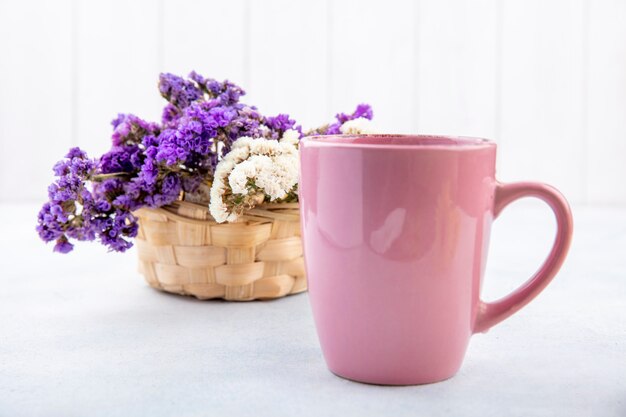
{"x":395,"y":231}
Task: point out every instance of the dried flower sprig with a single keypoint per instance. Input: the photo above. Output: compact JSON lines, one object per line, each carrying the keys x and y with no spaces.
{"x":153,"y":164}
{"x":253,"y":172}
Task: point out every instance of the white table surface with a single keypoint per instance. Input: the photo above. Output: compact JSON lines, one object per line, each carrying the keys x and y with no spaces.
{"x":83,"y":335}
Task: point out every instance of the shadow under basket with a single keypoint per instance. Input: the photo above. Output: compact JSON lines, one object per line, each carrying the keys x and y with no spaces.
{"x":183,"y":250}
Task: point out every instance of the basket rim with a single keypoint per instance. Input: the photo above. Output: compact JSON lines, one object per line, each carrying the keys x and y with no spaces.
{"x":260,"y":214}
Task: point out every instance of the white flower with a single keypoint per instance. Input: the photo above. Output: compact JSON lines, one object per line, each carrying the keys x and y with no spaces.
{"x":254,"y":168}
{"x":217,"y":207}
{"x":358,"y":126}
{"x":291,"y":137}
{"x":277,"y":179}
{"x":286,"y":171}
{"x":248,"y":170}
{"x":237,"y":155}
{"x":241,"y":142}
{"x":264,"y":147}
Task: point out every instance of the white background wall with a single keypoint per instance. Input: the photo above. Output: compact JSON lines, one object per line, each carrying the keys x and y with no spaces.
{"x":545,"y":78}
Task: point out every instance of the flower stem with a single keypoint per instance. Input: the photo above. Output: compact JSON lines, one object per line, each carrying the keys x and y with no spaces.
{"x":102,"y":177}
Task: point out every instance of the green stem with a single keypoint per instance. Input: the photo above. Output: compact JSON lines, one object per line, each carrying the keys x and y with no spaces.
{"x":102,"y":177}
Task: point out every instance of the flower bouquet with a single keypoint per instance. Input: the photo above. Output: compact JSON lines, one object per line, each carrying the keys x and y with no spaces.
{"x":210,"y":193}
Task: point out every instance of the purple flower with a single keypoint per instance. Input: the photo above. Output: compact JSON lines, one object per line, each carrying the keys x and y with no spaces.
{"x":125,"y":202}
{"x":121,"y":159}
{"x":167,"y":192}
{"x":225,"y":92}
{"x":129,"y":129}
{"x":199,"y":79}
{"x":171,"y":185}
{"x":60,"y":168}
{"x":178,"y":91}
{"x":248,"y":122}
{"x":222,"y":116}
{"x":362,"y":110}
{"x":103,"y":206}
{"x":170,"y":114}
{"x":191,"y":183}
{"x":149,"y":172}
{"x":77,"y":212}
{"x":280,"y":123}
{"x":62,"y":245}
{"x":193,"y":142}
{"x":76,"y":153}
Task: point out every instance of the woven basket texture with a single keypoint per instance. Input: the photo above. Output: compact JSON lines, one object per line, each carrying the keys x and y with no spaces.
{"x":183,"y":250}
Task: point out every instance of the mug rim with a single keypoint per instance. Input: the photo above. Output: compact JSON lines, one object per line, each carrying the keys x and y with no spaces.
{"x":399,"y":141}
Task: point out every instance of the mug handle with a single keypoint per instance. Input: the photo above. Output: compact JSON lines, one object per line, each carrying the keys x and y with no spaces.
{"x":490,"y":314}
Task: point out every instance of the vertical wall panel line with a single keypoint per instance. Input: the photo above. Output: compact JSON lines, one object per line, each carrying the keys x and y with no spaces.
{"x":329,"y":55}
{"x":498,"y":76}
{"x":247,"y":18}
{"x":160,"y":34}
{"x":415,"y":102}
{"x":75,"y":73}
{"x":585,"y":95}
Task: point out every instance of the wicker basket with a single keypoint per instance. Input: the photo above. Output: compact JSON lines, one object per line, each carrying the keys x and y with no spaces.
{"x":183,"y":250}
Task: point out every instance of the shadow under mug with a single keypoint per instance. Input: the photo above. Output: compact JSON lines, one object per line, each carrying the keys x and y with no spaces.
{"x":395,"y":231}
